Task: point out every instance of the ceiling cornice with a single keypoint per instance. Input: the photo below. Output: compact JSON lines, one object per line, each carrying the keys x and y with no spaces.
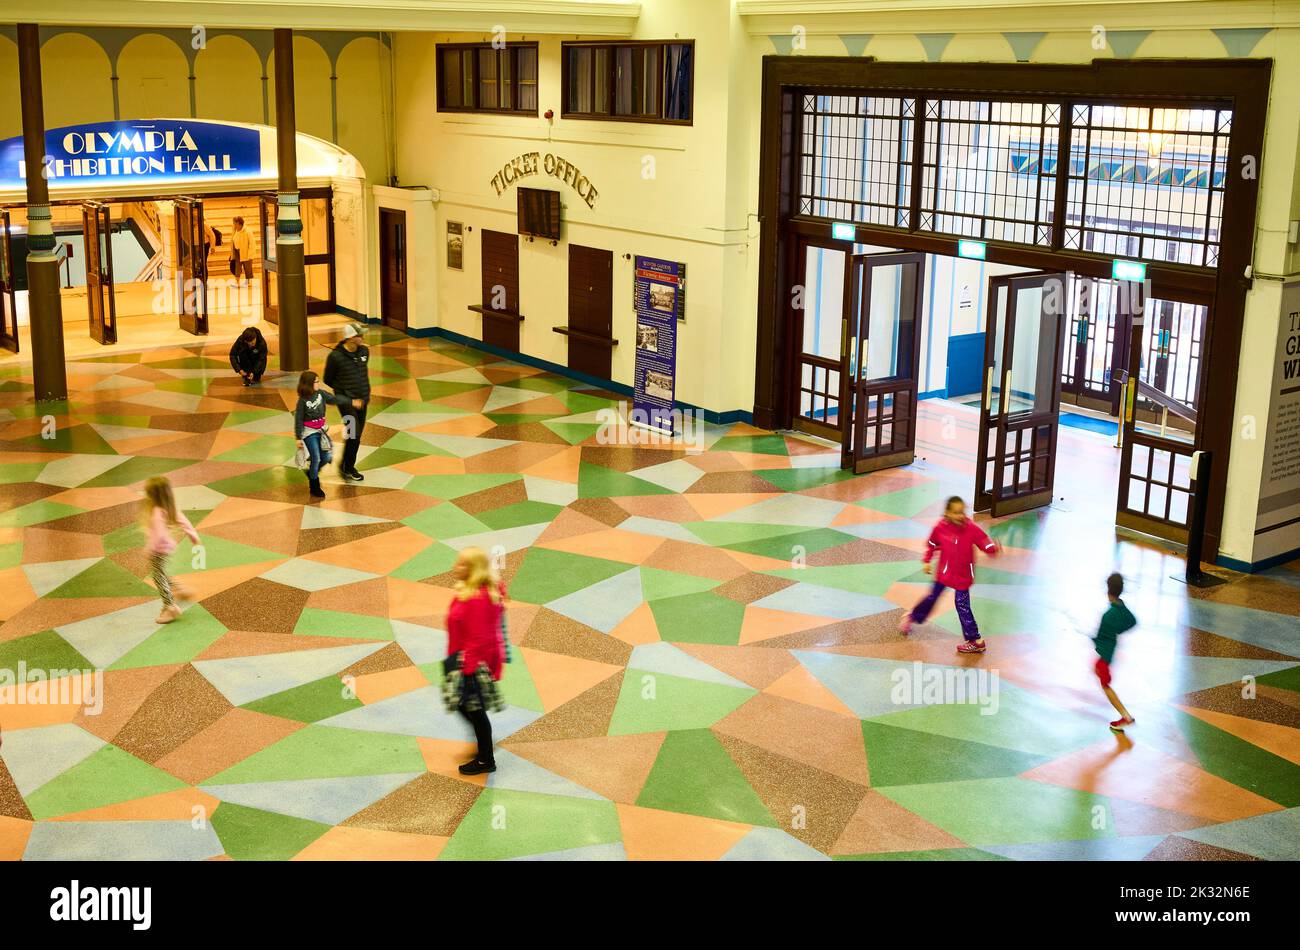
{"x":519,"y":17}
{"x":771,"y":17}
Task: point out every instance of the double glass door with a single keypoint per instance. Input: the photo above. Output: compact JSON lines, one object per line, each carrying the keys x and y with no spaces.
{"x":97,"y":227}
{"x":882,"y":310}
{"x":1019,"y":411}
{"x":8,"y":300}
{"x":1096,"y":346}
{"x":858,"y":359}
{"x":192,"y":265}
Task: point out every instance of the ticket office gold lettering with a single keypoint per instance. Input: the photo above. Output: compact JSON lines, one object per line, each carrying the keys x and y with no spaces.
{"x":524,"y":166}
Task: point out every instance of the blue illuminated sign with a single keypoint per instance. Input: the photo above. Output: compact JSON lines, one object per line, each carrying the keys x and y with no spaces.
{"x":141,"y":150}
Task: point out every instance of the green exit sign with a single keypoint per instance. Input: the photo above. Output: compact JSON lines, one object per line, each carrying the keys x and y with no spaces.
{"x":972,"y":249}
{"x":1128,"y":270}
{"x":843,"y":232}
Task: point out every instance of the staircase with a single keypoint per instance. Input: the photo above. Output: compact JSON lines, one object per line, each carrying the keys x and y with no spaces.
{"x":220,"y":214}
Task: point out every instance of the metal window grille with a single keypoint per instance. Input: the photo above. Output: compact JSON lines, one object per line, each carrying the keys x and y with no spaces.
{"x":990,"y":169}
{"x":855,"y":158}
{"x":1154,"y":177}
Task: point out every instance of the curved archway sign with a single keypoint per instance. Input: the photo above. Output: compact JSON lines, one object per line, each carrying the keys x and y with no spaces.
{"x":532,"y":163}
{"x":133,"y":151}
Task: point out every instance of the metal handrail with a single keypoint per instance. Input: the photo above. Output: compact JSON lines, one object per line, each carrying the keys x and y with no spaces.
{"x":1165,"y":402}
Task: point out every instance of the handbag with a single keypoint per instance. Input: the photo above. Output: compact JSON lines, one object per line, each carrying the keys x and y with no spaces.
{"x":234,"y":265}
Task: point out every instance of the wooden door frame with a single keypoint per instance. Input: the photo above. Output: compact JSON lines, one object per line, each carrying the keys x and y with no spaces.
{"x":1243,"y":84}
{"x":383,"y":269}
{"x":843,"y":432}
{"x":8,"y":297}
{"x":861,"y":342}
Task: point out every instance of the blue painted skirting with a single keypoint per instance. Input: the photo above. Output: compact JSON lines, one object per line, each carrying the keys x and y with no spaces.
{"x":1248,"y":567}
{"x":717,"y":418}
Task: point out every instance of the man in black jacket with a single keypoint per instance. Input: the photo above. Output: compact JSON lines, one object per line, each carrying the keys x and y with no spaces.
{"x":347,"y":372}
{"x":248,"y":356}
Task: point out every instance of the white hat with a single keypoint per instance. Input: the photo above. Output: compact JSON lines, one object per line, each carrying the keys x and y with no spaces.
{"x":350,"y":331}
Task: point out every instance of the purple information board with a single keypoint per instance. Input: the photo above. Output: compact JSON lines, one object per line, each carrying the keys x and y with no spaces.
{"x":659,"y":298}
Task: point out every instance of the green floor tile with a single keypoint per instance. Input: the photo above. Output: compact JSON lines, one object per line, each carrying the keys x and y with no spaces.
{"x":699,"y":618}
{"x":104,"y":578}
{"x":942,"y":854}
{"x":1005,"y":810}
{"x":41,"y":651}
{"x":510,"y":824}
{"x":310,"y":702}
{"x":72,"y":440}
{"x":787,"y":546}
{"x":454,"y":486}
{"x":105,"y":777}
{"x":655,"y":702}
{"x":906,"y":503}
{"x":333,"y":623}
{"x":1237,"y":761}
{"x":873,"y":579}
{"x":178,"y":642}
{"x":36,"y":512}
{"x":265,"y":450}
{"x":657,"y":584}
{"x":326,"y":752}
{"x":801,"y":479}
{"x":546,"y":575}
{"x":596,"y":481}
{"x":519,"y":514}
{"x":432,"y":390}
{"x":998,"y":617}
{"x":135,"y":470}
{"x":249,"y":834}
{"x":754,"y":444}
{"x":694,"y":775}
{"x":445,"y":520}
{"x":907,"y":757}
{"x":517,"y":684}
{"x":573,"y":432}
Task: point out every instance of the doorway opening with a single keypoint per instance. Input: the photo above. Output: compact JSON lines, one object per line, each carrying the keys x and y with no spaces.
{"x":891,"y":343}
{"x":134,"y":270}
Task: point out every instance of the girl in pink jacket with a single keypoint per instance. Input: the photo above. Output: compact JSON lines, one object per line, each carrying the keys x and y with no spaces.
{"x":954,"y":540}
{"x":160,"y":503}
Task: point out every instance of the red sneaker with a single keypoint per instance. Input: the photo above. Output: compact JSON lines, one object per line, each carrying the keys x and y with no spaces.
{"x":1119,"y":724}
{"x":906,"y":626}
{"x":972,"y":646}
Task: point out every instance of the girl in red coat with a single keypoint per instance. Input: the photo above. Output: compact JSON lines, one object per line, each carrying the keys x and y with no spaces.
{"x":954,"y":539}
{"x":475,"y":652}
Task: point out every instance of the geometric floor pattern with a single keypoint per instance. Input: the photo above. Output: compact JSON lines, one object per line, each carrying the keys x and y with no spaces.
{"x":707,"y":661}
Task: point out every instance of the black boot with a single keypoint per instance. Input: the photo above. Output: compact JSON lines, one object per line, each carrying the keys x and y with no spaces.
{"x":316,"y":491}
{"x":478,"y":767}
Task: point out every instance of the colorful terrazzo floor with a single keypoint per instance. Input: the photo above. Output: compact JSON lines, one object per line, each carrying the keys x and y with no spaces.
{"x":707,"y":660}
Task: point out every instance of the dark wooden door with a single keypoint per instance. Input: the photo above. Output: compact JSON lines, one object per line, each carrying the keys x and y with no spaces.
{"x":8,"y":302}
{"x":882,"y":311}
{"x":392,"y":268}
{"x":591,"y":311}
{"x":500,"y":306}
{"x":98,"y":232}
{"x":1020,"y":411}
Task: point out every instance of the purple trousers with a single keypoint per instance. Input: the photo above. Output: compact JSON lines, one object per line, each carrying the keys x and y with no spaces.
{"x":969,"y":629}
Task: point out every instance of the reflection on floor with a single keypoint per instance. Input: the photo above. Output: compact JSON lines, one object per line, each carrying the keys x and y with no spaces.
{"x":708,"y":664}
{"x":150,"y":332}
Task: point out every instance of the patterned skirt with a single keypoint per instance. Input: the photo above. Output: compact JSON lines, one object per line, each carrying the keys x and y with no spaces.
{"x":470,"y":693}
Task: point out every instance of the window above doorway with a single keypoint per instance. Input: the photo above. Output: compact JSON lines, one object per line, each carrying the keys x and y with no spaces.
{"x":479,"y":77}
{"x":629,"y":82}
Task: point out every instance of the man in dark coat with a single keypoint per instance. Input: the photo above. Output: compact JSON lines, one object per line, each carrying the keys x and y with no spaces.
{"x":248,"y":356}
{"x":347,"y":372}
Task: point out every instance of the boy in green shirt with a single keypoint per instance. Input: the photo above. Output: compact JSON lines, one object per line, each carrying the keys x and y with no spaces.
{"x":1114,"y":621}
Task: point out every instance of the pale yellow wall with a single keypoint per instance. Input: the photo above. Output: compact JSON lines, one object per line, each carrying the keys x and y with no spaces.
{"x":75,"y":74}
{"x":153,"y":82}
{"x":677,"y":211}
{"x":228,"y":80}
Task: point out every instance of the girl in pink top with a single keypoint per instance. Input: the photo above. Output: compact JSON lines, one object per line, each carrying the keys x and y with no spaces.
{"x":475,"y":652}
{"x":160,"y":503}
{"x":954,"y":540}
